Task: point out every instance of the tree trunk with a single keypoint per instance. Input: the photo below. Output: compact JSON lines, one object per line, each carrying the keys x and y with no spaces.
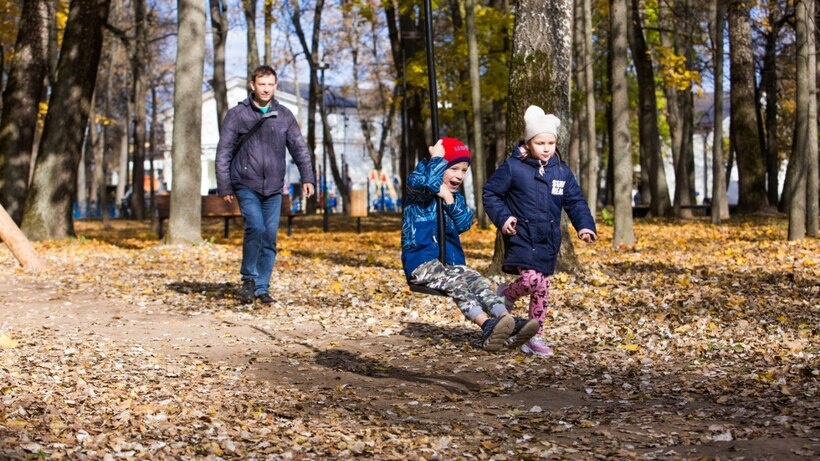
{"x":219,"y":32}
{"x":622,"y":151}
{"x":803,"y":206}
{"x":668,"y":26}
{"x":686,"y":184}
{"x":139,"y":76}
{"x":769,"y":82}
{"x":541,"y":70}
{"x":185,"y":219}
{"x":81,"y":190}
{"x":657,"y":192}
{"x":48,"y":205}
{"x":576,"y":141}
{"x":311,"y":52}
{"x":21,"y":98}
{"x":478,"y":169}
{"x":122,"y":137}
{"x":267,"y":11}
{"x":249,"y":8}
{"x":720,"y":202}
{"x":752,"y":187}
{"x":591,"y":161}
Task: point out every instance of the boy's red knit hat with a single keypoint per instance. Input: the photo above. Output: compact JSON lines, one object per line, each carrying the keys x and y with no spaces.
{"x":455,"y":151}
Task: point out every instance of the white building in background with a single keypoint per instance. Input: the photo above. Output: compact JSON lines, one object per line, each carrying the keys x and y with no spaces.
{"x":348,"y":139}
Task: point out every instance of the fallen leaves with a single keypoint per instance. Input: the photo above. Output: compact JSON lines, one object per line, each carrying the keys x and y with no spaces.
{"x":697,"y":337}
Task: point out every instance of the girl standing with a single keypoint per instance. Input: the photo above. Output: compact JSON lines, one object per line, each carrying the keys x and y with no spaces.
{"x":524,"y":198}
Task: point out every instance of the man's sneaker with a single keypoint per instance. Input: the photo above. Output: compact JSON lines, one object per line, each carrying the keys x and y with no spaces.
{"x":265,"y":298}
{"x":524,"y":330}
{"x":246,"y":292}
{"x":501,"y":291}
{"x":537,"y":346}
{"x":495,"y":331}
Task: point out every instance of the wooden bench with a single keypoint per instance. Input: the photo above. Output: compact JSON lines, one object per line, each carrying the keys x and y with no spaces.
{"x":214,"y":206}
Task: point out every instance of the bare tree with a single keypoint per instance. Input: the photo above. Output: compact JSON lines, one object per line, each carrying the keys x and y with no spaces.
{"x":185,"y":220}
{"x":311,"y":53}
{"x":47,"y":212}
{"x":378,"y":105}
{"x":21,"y":97}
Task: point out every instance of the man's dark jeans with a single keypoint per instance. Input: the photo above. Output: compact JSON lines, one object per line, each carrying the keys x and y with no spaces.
{"x":261,"y":215}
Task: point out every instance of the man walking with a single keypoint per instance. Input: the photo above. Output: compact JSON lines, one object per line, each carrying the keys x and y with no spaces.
{"x":250,"y":167}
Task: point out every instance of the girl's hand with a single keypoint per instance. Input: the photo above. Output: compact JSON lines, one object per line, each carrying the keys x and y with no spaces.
{"x":509,"y":226}
{"x":437,"y":150}
{"x":587,"y":235}
{"x":445,"y":193}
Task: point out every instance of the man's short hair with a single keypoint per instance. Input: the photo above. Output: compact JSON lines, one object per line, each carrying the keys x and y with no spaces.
{"x":263,"y":71}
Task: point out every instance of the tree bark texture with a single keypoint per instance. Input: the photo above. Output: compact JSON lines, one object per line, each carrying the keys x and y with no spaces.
{"x":48,"y":206}
{"x":249,"y":8}
{"x":769,"y":82}
{"x":622,"y":151}
{"x":219,"y":31}
{"x":21,"y":97}
{"x":540,"y":74}
{"x":478,"y":170}
{"x":589,"y":173}
{"x":139,"y":63}
{"x":752,"y":187}
{"x":720,"y":201}
{"x":803,"y":206}
{"x":655,"y":191}
{"x":668,"y":31}
{"x":185,"y":219}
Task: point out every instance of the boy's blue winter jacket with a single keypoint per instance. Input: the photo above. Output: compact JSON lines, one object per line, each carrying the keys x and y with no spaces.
{"x":419,"y":229}
{"x":517,"y":189}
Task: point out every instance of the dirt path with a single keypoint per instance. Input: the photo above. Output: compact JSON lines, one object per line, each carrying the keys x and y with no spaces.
{"x":427,"y":380}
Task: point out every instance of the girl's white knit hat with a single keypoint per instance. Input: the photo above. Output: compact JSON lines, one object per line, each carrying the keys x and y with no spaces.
{"x":537,"y":122}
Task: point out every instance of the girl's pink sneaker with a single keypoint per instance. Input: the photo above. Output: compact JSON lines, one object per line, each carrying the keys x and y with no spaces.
{"x":537,"y":346}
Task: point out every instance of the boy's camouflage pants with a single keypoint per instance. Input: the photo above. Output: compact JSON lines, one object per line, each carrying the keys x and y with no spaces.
{"x":470,"y":290}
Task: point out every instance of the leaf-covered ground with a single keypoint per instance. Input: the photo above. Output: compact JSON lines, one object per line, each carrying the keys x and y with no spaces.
{"x":699,"y":343}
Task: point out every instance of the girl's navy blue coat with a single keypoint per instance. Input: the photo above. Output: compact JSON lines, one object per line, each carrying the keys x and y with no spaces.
{"x":518,"y":189}
{"x":419,"y":228}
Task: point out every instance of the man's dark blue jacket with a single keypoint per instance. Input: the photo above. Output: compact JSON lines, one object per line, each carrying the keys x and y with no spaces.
{"x":260,"y":162}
